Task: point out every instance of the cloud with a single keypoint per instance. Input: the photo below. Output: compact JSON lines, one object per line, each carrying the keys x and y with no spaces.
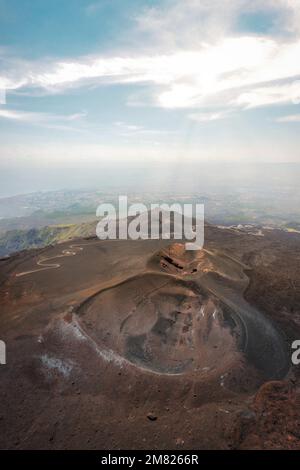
{"x":136,"y":131}
{"x":2,"y":96}
{"x":187,"y":79}
{"x":35,"y":116}
{"x":208,"y":117}
{"x":93,"y":8}
{"x":289,"y":118}
{"x":185,"y":25}
{"x":199,"y":60}
{"x":178,"y":24}
{"x":20,"y":115}
{"x":271,"y":95}
{"x":128,"y":127}
{"x":51,"y":121}
{"x":97,"y":6}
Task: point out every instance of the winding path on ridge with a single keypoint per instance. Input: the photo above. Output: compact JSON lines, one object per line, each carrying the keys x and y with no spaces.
{"x":73,"y":250}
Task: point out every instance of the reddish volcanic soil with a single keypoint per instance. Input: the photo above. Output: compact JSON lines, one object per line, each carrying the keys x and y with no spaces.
{"x":142,"y":345}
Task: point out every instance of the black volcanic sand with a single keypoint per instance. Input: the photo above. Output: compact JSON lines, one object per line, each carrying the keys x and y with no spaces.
{"x":122,"y":331}
{"x":163,"y":324}
{"x":187,"y":319}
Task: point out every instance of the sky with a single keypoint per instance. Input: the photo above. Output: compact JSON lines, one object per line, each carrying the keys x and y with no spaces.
{"x":87,"y":82}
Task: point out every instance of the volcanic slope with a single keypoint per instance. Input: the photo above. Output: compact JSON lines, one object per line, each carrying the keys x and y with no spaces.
{"x":137,"y":344}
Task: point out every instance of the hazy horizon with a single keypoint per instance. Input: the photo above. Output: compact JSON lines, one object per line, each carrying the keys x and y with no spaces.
{"x":148,"y":176}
